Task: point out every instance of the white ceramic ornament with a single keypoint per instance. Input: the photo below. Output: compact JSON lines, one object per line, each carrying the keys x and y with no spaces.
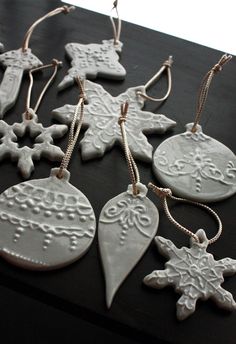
{"x":92,"y":61}
{"x":96,"y":60}
{"x":45,"y":223}
{"x":194,"y":273}
{"x":17,"y":62}
{"x":127,"y":225}
{"x":196,"y":166}
{"x":43,"y":147}
{"x":1,"y":47}
{"x":101,"y":118}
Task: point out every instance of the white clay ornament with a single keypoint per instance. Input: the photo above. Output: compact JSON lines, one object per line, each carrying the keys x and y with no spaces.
{"x":17,"y":62}
{"x":43,"y":136}
{"x":43,"y":147}
{"x":193,"y":272}
{"x":127,"y":225}
{"x":101,"y":114}
{"x":95,"y":60}
{"x":47,"y":223}
{"x":194,"y":165}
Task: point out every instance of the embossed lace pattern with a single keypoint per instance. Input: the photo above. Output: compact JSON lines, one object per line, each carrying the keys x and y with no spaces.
{"x":129,"y":213}
{"x":49,"y":204}
{"x":101,"y":116}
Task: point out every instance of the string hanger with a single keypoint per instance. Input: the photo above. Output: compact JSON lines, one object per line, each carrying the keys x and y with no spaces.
{"x":132,"y":167}
{"x":165,"y":193}
{"x":116,"y":27}
{"x":64,"y":9}
{"x":55,"y":64}
{"x":75,"y":127}
{"x":166,"y":66}
{"x":205,"y":85}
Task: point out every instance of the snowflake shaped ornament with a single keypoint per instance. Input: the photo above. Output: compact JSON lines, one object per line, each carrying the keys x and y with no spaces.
{"x":101,"y":116}
{"x":43,"y":146}
{"x":194,"y":273}
{"x":93,"y":60}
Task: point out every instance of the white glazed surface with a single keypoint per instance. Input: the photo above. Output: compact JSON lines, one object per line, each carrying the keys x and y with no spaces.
{"x":101,"y":116}
{"x":196,"y":166}
{"x":45,"y":223}
{"x":93,"y":60}
{"x":127,"y":225}
{"x":43,"y":147}
{"x":16,"y":63}
{"x":194,"y":273}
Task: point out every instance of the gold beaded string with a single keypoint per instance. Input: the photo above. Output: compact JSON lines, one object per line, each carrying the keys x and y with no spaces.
{"x":204,"y":88}
{"x":75,"y":127}
{"x":132,"y":167}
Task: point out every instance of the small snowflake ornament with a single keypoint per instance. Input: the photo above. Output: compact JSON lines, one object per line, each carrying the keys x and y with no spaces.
{"x":194,"y":273}
{"x":43,"y":146}
{"x":101,"y":118}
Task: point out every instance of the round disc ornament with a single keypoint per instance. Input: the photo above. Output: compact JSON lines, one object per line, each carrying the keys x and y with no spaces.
{"x":194,"y":165}
{"x":45,"y":223}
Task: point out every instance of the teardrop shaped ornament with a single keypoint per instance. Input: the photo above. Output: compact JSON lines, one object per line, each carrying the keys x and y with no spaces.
{"x":127,"y":225}
{"x":45,"y":223}
{"x":196,"y":166}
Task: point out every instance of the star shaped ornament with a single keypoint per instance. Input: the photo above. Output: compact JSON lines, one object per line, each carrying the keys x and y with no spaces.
{"x":93,"y":60}
{"x":101,"y":118}
{"x":194,"y":273}
{"x":43,"y":146}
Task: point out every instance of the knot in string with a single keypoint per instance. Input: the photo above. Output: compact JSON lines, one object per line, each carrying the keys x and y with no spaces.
{"x":168,"y":62}
{"x":205,"y":85}
{"x":123,"y":111}
{"x":67,"y":9}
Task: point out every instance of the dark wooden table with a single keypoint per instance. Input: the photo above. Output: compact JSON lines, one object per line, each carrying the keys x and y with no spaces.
{"x":69,"y":304}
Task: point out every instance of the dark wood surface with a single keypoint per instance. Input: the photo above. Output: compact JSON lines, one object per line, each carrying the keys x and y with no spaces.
{"x":44,"y":307}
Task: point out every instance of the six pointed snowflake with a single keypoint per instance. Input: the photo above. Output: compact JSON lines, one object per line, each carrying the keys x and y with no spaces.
{"x":43,"y":146}
{"x":92,"y":60}
{"x":194,"y":273}
{"x":101,"y":116}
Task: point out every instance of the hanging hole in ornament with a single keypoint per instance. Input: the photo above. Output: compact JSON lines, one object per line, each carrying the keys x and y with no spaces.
{"x":28,"y":115}
{"x":60,"y":174}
